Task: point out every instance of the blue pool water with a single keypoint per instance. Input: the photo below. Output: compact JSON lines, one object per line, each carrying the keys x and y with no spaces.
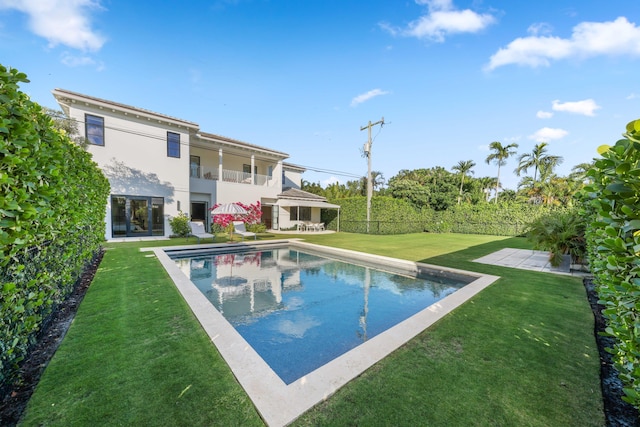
{"x":300,"y":310}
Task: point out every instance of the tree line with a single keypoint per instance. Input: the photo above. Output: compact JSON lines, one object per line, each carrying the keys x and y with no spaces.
{"x":438,"y":188}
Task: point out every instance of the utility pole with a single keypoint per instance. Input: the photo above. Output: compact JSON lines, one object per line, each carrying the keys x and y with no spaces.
{"x":367,"y":152}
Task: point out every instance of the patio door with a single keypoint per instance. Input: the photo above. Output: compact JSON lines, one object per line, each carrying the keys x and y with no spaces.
{"x":267,"y":217}
{"x":199,"y":213}
{"x":137,"y":216}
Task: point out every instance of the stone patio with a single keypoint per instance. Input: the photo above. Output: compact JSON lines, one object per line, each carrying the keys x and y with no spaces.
{"x":527,"y":259}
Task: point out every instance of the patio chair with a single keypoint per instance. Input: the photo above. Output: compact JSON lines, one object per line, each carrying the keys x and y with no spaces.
{"x":239,"y":228}
{"x":197,"y":230}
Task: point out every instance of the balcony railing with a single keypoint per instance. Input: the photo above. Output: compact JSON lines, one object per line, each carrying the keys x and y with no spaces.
{"x":238,"y":177}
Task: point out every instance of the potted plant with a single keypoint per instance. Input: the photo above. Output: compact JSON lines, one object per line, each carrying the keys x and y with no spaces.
{"x":562,"y":234}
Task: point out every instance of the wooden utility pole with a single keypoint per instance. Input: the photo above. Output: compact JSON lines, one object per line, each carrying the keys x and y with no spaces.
{"x":367,"y":152}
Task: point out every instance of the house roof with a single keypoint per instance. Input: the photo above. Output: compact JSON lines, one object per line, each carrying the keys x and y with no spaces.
{"x":293,"y":167}
{"x":296,"y":197}
{"x":65,"y":97}
{"x":295,"y":193}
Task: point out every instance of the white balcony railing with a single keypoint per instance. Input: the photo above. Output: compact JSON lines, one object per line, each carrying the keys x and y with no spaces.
{"x":238,"y":177}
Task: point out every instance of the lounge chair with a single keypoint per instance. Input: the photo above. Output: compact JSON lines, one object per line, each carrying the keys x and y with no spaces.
{"x":197,"y":230}
{"x":239,"y":228}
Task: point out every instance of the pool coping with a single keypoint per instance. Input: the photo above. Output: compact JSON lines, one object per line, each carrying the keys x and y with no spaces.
{"x":278,"y":403}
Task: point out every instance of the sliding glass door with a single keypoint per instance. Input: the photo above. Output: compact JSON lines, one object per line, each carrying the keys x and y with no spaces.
{"x":137,"y":216}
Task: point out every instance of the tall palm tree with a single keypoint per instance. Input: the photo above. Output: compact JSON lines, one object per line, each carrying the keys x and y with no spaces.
{"x":464,"y":167}
{"x":539,"y":160}
{"x":499,"y":157}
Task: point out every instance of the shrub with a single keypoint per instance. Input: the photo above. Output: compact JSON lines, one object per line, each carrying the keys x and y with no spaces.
{"x":180,"y":225}
{"x":560,"y":234}
{"x":614,"y":249}
{"x":224,"y":222}
{"x":52,"y":214}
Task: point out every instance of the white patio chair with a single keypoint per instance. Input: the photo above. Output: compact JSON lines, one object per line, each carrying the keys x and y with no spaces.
{"x":239,"y":228}
{"x":197,"y":230}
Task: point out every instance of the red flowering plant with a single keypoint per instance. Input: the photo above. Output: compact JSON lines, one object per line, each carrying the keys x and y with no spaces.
{"x":224,"y":221}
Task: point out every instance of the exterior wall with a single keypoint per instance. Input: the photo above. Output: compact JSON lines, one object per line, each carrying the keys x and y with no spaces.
{"x":134,"y":159}
{"x":292,"y":178}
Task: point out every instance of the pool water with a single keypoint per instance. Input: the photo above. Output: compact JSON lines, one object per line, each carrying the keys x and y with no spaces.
{"x":299,"y":310}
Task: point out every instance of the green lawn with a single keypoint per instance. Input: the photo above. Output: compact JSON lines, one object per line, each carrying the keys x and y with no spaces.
{"x":520,"y":353}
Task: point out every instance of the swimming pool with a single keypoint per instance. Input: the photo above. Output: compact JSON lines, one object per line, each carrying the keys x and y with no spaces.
{"x":370,"y":282}
{"x":299,"y":309}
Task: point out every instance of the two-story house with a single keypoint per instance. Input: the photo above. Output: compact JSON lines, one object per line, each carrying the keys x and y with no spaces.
{"x":160,"y":165}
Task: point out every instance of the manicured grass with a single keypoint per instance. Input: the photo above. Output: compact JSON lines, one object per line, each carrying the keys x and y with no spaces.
{"x":520,"y":353}
{"x":135,"y":355}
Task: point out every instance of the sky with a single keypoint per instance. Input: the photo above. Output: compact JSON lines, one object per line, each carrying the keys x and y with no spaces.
{"x":447,"y":77}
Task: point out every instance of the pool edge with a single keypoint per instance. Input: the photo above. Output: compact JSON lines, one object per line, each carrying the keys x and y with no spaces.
{"x":265,"y":388}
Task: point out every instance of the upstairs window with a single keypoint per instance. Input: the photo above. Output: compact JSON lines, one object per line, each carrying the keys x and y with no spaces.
{"x":94,"y":129}
{"x":173,"y":144}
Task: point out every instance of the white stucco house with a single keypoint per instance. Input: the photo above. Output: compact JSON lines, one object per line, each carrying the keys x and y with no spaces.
{"x":160,"y":165}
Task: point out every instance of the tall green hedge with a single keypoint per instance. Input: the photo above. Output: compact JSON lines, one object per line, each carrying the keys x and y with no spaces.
{"x":613,"y":240}
{"x":502,"y":219}
{"x":396,"y":216}
{"x":52,"y":209}
{"x":388,"y":216}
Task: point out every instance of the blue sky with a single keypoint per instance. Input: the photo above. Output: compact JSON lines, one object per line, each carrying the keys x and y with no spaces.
{"x":448,"y":76}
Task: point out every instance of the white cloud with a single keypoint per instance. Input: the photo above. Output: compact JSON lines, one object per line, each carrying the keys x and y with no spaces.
{"x":483,"y":147}
{"x":367,"y":96}
{"x":442,"y":20}
{"x":632,"y":96}
{"x":548,"y":134}
{"x":619,"y":37}
{"x":539,"y":29}
{"x":65,"y":22}
{"x":544,"y":114}
{"x":71,"y":60}
{"x":585,"y":107}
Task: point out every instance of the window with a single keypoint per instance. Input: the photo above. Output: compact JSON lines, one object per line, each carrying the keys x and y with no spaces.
{"x":173,"y":144}
{"x":194,"y":166}
{"x":300,"y":213}
{"x":94,"y":129}
{"x":137,"y":216}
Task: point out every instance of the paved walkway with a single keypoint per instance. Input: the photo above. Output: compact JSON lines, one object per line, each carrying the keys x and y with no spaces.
{"x":526,"y":259}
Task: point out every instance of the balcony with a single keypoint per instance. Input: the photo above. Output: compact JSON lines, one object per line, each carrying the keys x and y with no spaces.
{"x":234,"y":176}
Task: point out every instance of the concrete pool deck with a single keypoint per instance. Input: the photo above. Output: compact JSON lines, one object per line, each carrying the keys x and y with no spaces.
{"x":525,"y":259}
{"x":278,"y":403}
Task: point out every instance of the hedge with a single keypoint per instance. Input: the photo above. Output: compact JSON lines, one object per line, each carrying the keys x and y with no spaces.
{"x":397,"y":216}
{"x":613,"y":241}
{"x":52,"y":209}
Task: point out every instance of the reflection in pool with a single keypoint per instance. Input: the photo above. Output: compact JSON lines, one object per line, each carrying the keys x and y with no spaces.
{"x":300,"y":310}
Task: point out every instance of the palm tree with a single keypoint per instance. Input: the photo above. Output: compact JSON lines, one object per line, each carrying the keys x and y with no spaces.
{"x":464,"y":167}
{"x":486,"y":183}
{"x":499,"y":157}
{"x":539,"y":160}
{"x":377,"y":180}
{"x":579,"y":172}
